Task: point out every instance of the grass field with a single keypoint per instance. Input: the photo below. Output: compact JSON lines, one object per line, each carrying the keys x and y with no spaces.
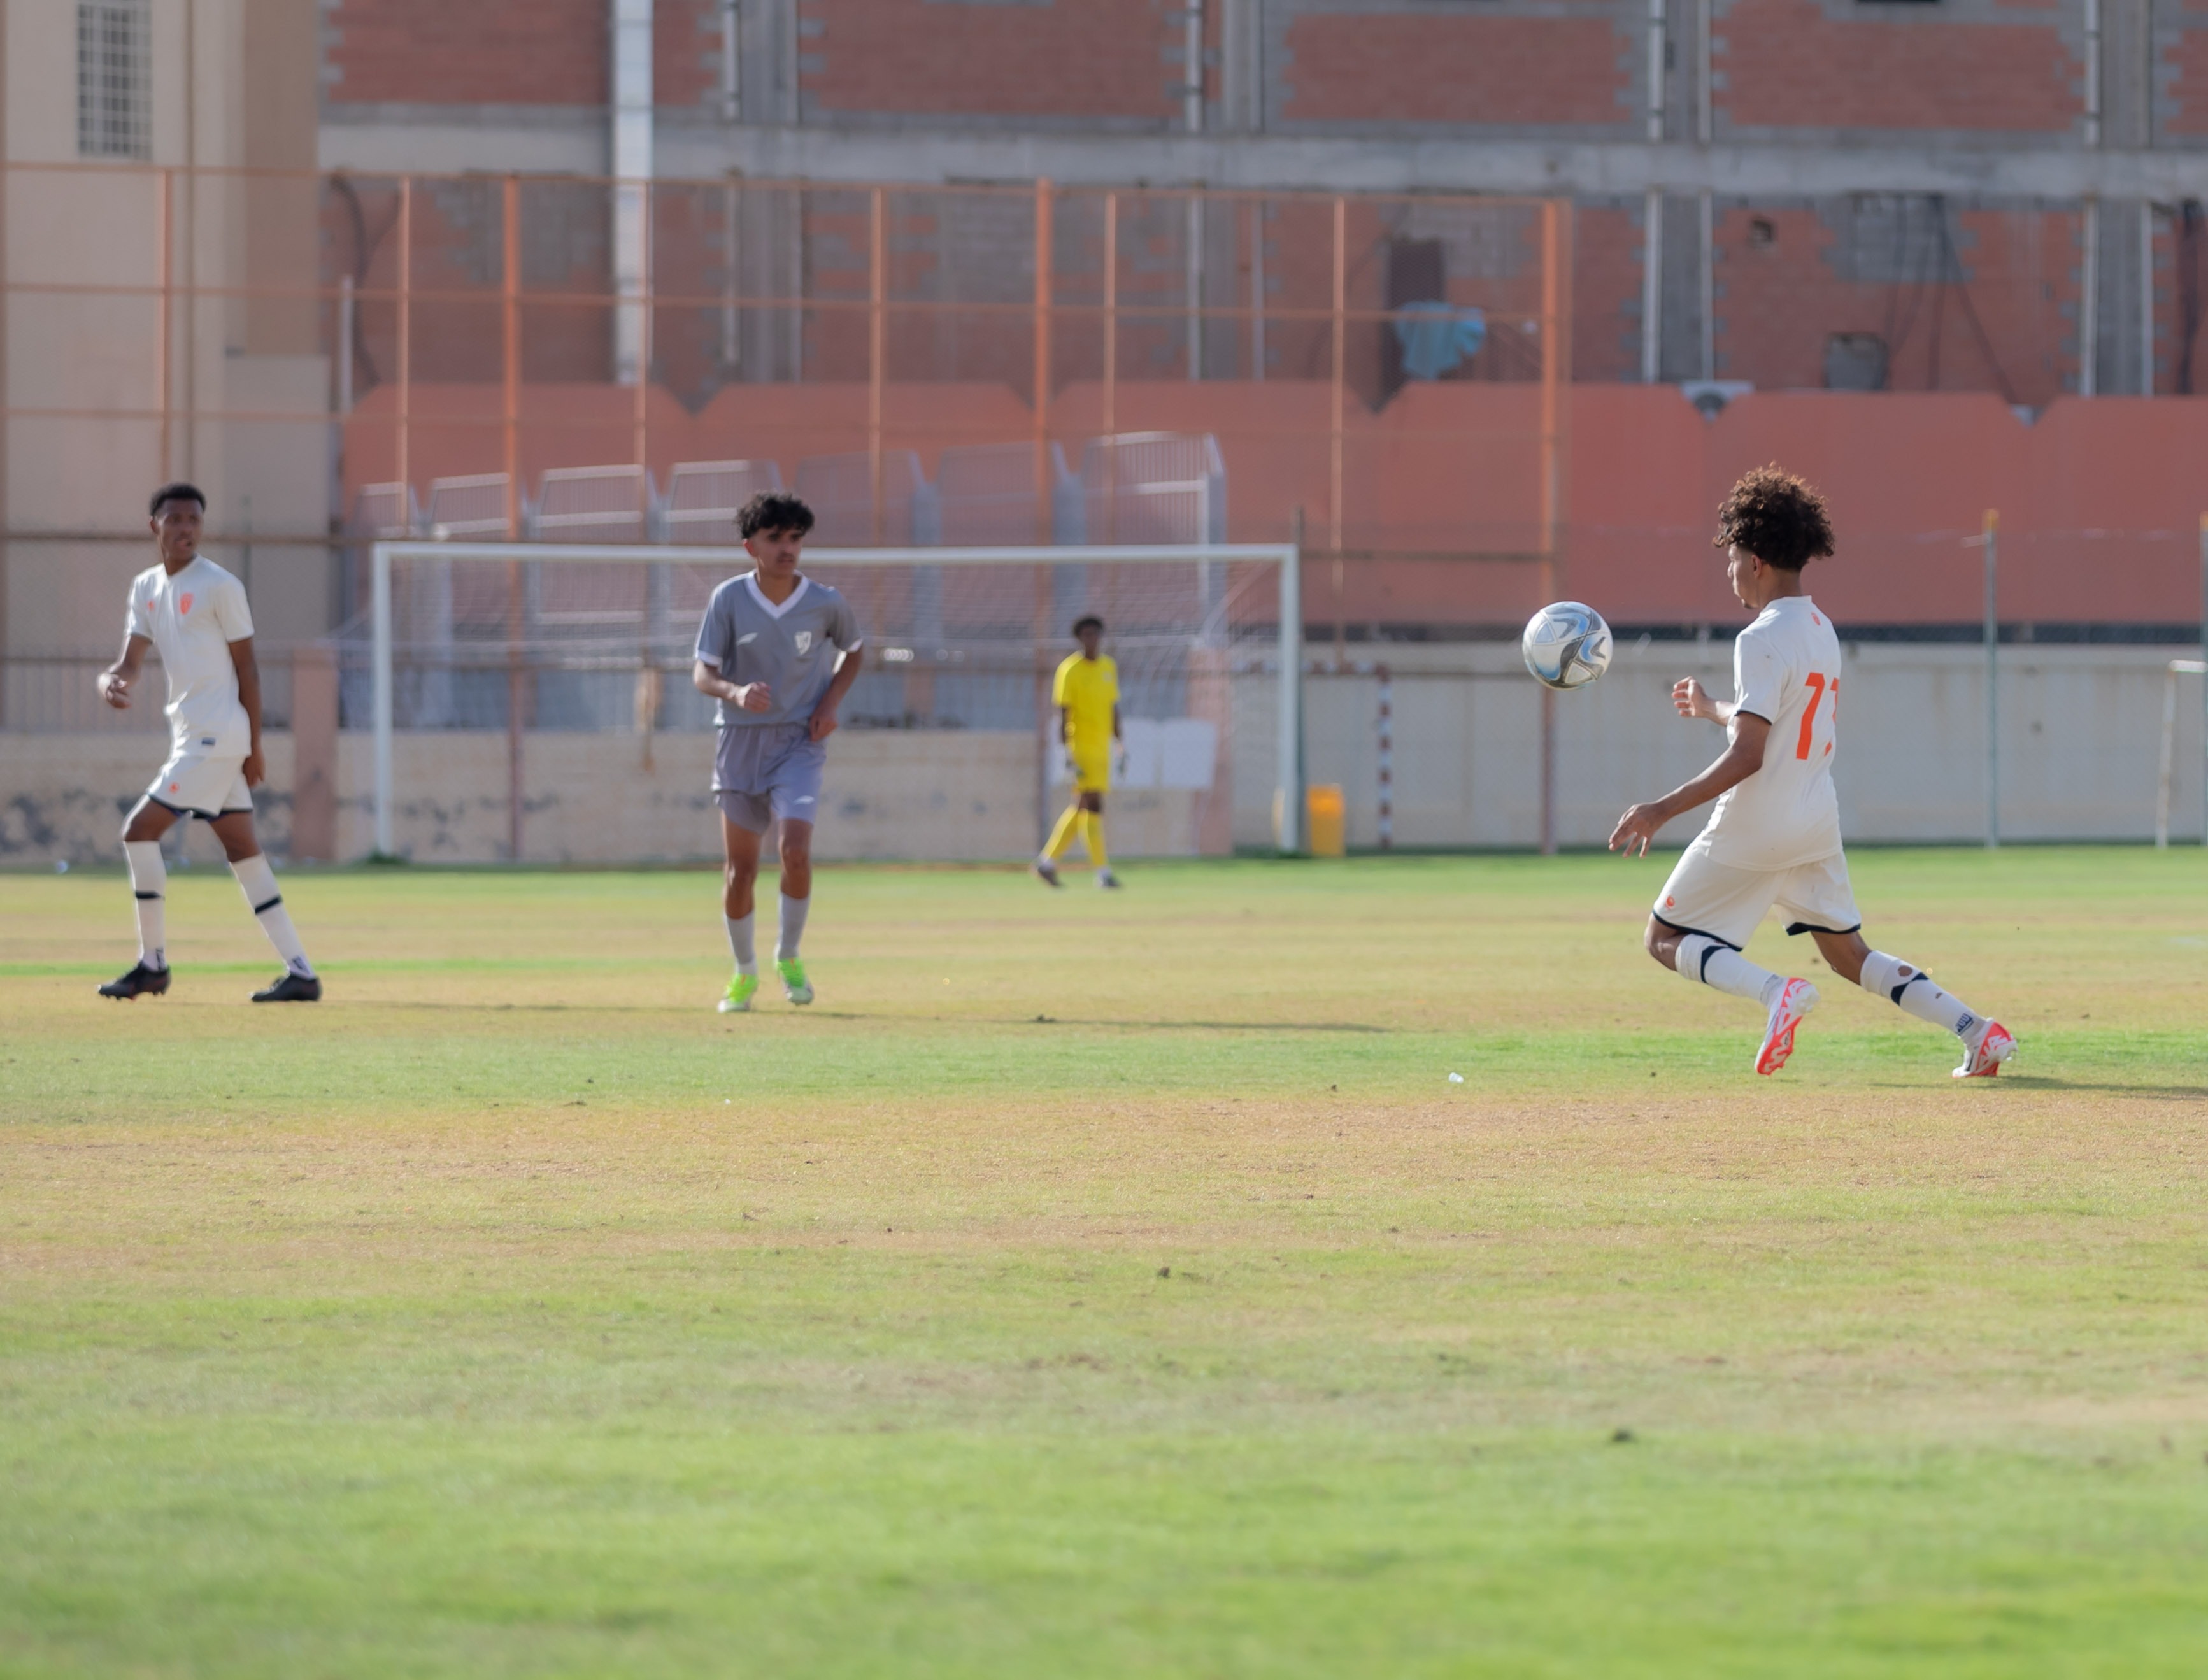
{"x":1096,"y":1285}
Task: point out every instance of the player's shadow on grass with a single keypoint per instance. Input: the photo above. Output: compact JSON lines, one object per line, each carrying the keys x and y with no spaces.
{"x":2044,"y":1082}
{"x":1197,"y":1026}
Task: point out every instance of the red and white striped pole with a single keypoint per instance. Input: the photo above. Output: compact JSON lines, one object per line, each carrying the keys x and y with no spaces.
{"x":1387,"y":757}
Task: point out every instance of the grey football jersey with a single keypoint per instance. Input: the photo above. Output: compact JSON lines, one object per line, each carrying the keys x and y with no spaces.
{"x":791,"y":648}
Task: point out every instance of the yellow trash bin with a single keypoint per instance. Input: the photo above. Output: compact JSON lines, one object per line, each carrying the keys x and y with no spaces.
{"x":1328,"y":821}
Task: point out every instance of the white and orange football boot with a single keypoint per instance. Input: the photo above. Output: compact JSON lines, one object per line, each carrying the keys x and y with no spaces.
{"x":1796,"y":1000}
{"x":1982,"y":1061}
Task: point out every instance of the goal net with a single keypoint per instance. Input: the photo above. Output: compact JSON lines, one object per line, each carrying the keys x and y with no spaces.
{"x":534,"y":700}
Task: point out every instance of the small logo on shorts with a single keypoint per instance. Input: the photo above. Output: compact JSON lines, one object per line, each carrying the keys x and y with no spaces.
{"x":805,"y":799}
{"x":172,"y":787}
{"x":207,"y":740}
{"x":1670,"y":903}
{"x":804,"y":639}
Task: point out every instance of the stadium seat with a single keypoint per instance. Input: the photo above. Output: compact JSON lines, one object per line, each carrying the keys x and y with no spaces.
{"x":471,"y":509}
{"x":986,"y":495}
{"x":1154,"y":487}
{"x":593,"y":504}
{"x":702,"y":498}
{"x":839,"y":489}
{"x":387,"y":512}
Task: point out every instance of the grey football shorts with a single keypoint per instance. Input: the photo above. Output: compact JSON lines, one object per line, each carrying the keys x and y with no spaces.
{"x":765,"y":773}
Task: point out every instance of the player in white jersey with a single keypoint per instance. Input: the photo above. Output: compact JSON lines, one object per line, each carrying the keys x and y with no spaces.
{"x":1774,"y":837}
{"x":195,"y":614}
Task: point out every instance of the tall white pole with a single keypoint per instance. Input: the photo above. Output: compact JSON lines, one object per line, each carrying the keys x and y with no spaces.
{"x":379,"y":681}
{"x":2089,"y":298}
{"x":634,"y":167}
{"x":1651,"y":288}
{"x":1290,"y":745}
{"x":2146,"y":297}
{"x":1192,"y":237}
{"x":345,"y":345}
{"x":1992,"y":681}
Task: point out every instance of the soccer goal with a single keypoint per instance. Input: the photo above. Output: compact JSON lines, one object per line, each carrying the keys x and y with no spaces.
{"x":500,"y":676}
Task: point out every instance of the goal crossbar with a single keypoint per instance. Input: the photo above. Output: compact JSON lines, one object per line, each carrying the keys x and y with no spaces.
{"x":1289,"y":654}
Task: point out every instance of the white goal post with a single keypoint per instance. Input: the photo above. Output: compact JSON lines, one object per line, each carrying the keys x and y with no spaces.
{"x":2176,"y":668}
{"x":1240,"y":602}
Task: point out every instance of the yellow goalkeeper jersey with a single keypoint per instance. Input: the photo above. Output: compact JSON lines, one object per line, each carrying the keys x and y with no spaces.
{"x":1087,"y":689}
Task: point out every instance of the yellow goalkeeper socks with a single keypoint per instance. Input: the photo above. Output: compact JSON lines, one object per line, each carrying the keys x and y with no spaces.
{"x":1092,"y":831}
{"x":1061,"y":838}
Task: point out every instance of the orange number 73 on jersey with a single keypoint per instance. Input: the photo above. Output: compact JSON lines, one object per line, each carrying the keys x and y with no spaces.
{"x":1820,"y":687}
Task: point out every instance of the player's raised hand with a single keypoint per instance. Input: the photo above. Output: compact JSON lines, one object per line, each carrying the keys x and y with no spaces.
{"x":1636,"y":828}
{"x":1693,"y":700}
{"x":754,"y":697}
{"x":114,"y":689}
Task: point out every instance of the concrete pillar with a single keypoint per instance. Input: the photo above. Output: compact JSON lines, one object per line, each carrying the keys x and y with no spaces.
{"x":315,"y":754}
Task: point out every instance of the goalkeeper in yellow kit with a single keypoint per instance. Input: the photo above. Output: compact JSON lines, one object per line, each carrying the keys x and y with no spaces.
{"x":1086,"y":692}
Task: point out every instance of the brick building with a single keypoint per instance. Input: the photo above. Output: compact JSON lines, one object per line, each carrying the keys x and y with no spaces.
{"x":1911,"y":195}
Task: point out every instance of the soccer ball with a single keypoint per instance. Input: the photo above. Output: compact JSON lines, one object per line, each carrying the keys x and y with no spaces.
{"x":1566,"y":645}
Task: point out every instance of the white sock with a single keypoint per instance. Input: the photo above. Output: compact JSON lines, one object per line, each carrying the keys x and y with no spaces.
{"x":149,"y":879}
{"x":1716,"y":964}
{"x":1905,"y":984}
{"x":258,"y":882}
{"x":739,"y":943}
{"x":793,"y":927}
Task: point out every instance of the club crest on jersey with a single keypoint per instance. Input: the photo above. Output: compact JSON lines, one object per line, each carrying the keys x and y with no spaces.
{"x":183,"y":604}
{"x":804,"y":640}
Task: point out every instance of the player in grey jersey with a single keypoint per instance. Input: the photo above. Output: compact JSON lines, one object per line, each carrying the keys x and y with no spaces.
{"x":779,"y":651}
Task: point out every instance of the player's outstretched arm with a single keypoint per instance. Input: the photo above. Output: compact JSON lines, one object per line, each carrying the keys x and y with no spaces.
{"x":255,"y":768}
{"x":847,"y":673}
{"x":115,"y":682}
{"x":1742,"y":758}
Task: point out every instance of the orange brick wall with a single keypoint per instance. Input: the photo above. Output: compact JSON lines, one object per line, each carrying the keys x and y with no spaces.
{"x":547,"y":52}
{"x":1082,"y":59}
{"x":1792,"y":63}
{"x":686,"y":57}
{"x":1470,"y":68}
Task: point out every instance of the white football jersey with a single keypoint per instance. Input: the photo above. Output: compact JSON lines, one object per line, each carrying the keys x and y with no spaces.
{"x":192,"y":618}
{"x":1786,"y":668}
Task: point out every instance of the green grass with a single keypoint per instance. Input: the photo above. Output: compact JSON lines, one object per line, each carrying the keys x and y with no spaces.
{"x":1098,"y":1285}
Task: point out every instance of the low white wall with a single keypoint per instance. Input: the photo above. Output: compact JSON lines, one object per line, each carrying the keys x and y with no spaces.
{"x":587,"y":798}
{"x":2081,"y":739}
{"x":2080,"y":736}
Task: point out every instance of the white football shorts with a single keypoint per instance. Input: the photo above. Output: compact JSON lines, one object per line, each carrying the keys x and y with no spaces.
{"x":202,"y":785}
{"x":1726,"y":902}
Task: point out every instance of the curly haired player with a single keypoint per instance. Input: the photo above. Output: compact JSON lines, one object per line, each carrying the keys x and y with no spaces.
{"x":779,"y":651}
{"x":1775,"y":835}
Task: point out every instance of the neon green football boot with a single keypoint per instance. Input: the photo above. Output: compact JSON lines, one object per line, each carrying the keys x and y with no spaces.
{"x":794,"y":986}
{"x":738,"y":998}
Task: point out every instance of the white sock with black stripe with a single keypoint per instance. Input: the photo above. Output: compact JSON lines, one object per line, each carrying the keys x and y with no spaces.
{"x":258,"y":882}
{"x":1713,"y":962}
{"x":1902,"y":983}
{"x":149,"y":881}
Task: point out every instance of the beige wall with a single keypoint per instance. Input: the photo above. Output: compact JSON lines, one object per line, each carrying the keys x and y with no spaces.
{"x":590,"y":798}
{"x":2080,"y":733}
{"x":233,"y":85}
